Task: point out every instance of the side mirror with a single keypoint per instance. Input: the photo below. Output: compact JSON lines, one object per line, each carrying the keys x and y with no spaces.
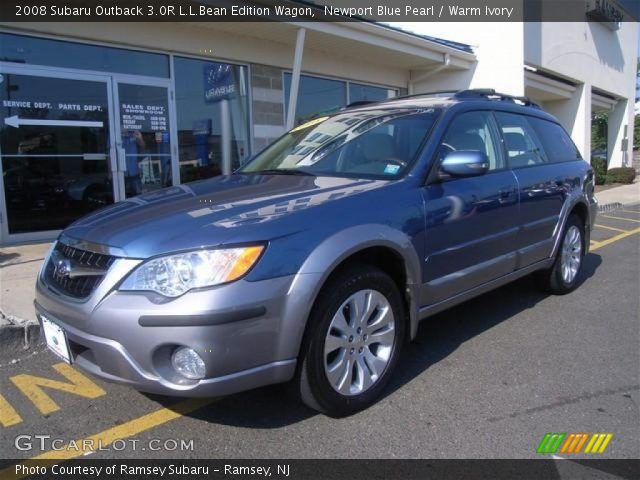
{"x":465,"y":163}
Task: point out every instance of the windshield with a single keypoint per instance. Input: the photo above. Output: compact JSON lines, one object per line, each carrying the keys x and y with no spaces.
{"x":365,"y":144}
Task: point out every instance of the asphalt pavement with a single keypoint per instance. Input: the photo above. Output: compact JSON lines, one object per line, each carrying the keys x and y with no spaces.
{"x":486,"y":379}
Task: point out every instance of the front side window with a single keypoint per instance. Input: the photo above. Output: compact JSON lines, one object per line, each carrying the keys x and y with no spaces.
{"x":371,"y":144}
{"x":472,"y":131}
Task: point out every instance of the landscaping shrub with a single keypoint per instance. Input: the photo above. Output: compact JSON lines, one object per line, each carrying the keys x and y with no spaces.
{"x":621,"y":175}
{"x":599,"y":169}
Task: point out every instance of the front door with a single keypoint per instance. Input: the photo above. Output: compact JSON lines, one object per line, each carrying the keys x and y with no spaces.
{"x":143,"y":137}
{"x":55,"y":155}
{"x":471,"y":223}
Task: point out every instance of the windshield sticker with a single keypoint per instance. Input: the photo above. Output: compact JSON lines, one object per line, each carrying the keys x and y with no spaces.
{"x":391,"y":169}
{"x":310,"y":123}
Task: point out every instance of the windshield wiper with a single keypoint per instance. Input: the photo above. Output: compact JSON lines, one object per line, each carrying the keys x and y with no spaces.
{"x":281,"y":171}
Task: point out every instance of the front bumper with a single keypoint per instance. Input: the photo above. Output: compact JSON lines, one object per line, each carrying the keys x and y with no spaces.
{"x":128,"y":337}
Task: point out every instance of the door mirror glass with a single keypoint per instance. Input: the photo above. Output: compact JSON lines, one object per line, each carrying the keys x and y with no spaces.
{"x":465,"y":163}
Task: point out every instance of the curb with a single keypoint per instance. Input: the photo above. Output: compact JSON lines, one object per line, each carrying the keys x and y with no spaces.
{"x":18,"y":335}
{"x":607,"y":207}
{"x":15,"y":339}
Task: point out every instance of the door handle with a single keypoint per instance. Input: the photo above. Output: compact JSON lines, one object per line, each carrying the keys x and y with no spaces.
{"x":507,"y":192}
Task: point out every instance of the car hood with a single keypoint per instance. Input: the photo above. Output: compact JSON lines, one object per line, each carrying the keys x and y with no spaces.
{"x":223,"y":210}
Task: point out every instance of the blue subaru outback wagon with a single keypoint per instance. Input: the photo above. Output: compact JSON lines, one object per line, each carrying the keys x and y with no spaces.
{"x":315,"y":262}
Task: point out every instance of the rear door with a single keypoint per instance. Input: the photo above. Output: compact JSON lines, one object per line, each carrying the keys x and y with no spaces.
{"x":538,"y":157}
{"x":471,"y":223}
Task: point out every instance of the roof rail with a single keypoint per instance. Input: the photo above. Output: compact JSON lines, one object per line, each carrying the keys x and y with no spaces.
{"x":440,"y":93}
{"x":359,"y":103}
{"x":491,"y":94}
{"x":487,"y":93}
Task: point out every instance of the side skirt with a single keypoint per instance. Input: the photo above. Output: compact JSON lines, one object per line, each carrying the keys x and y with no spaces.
{"x":429,"y":310}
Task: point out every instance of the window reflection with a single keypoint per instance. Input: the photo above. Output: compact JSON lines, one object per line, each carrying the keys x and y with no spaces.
{"x":42,"y":51}
{"x":318,"y":96}
{"x":53,"y":137}
{"x":212,"y":111}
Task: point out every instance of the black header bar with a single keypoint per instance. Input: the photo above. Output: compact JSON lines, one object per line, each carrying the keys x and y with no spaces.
{"x":610,"y":12}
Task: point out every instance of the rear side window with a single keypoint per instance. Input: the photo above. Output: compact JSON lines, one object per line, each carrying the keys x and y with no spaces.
{"x":557,"y":144}
{"x":520,"y":140}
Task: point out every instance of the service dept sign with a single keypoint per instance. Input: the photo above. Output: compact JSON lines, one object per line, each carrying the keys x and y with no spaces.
{"x":219,"y":82}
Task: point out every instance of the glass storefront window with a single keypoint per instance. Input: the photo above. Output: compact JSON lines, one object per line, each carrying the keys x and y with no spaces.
{"x":54,"y":137}
{"x":360,"y":93}
{"x":212,"y":111}
{"x":146,"y":142}
{"x":315,"y":96}
{"x":56,"y":53}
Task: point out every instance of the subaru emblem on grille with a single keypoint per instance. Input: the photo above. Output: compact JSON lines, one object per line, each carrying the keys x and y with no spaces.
{"x":62,"y":268}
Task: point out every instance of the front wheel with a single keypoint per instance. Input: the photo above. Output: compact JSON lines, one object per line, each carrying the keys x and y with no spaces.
{"x":355,"y":335}
{"x":563,"y":276}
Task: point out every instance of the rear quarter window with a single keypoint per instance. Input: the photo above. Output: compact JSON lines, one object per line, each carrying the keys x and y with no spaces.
{"x":556,"y":143}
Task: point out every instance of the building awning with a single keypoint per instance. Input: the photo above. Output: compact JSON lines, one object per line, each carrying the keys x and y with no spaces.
{"x":360,"y":40}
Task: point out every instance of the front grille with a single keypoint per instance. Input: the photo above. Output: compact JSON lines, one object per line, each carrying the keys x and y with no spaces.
{"x":81,"y":260}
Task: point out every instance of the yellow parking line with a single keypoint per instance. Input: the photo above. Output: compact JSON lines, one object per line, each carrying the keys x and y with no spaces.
{"x":615,"y":238}
{"x":124,"y":430}
{"x":620,"y":218}
{"x":610,"y":228}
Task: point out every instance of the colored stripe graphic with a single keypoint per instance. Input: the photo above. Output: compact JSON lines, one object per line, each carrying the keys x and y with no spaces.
{"x":573,"y":443}
{"x":598,"y":443}
{"x":551,"y":442}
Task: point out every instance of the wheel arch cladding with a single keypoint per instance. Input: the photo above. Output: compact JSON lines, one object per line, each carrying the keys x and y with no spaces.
{"x":356,"y":244}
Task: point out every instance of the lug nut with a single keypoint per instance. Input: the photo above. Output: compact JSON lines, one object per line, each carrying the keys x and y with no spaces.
{"x":359,"y":331}
{"x":360,"y":350}
{"x":351,"y":339}
{"x":351,"y":351}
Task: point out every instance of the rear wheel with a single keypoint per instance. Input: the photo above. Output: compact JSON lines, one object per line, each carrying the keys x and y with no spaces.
{"x":355,"y":335}
{"x":563,"y":276}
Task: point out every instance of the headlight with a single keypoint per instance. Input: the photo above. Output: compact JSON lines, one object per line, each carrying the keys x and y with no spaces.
{"x":176,"y":274}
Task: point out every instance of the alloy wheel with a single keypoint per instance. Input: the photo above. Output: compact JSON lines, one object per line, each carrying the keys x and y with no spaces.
{"x":359,"y":342}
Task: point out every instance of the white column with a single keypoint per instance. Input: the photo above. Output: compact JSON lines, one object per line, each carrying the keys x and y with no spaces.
{"x":295,"y":78}
{"x":225,"y":125}
{"x":575,"y":115}
{"x":620,"y":127}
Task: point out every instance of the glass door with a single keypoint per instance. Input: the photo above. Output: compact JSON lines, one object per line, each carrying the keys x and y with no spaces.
{"x":55,"y":140}
{"x":143,"y":137}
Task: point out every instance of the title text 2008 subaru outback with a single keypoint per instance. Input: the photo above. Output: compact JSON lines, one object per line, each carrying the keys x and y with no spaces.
{"x":316,"y":260}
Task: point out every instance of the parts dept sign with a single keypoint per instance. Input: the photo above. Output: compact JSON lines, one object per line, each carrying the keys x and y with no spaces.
{"x":18,"y":113}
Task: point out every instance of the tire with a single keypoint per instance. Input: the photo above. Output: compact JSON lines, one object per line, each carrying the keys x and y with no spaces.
{"x":558,"y":280}
{"x":363,"y":359}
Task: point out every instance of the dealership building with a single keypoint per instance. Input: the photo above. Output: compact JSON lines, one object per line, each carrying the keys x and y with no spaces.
{"x":92,"y":113}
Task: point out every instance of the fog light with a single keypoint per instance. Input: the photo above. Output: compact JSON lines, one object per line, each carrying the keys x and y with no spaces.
{"x":188,"y":363}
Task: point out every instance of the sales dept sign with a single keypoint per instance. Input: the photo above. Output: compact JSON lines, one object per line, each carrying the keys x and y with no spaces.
{"x":219,"y":82}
